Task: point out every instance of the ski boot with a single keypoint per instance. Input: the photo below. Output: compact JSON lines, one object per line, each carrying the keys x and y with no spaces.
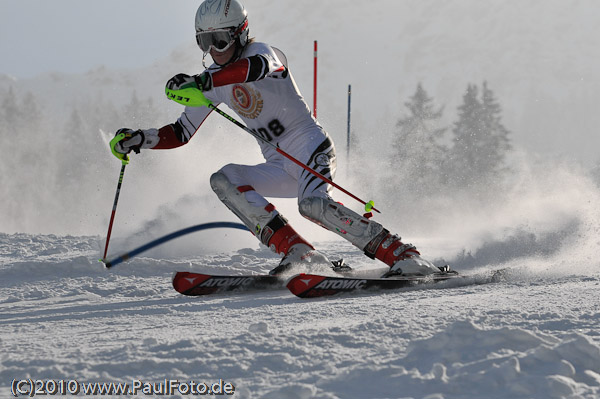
{"x":412,"y":266}
{"x":282,"y":239}
{"x":302,"y":256}
{"x":403,"y":259}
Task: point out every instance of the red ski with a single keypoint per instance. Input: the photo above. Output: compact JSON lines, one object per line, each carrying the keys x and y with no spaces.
{"x":195,"y":284}
{"x":312,"y":285}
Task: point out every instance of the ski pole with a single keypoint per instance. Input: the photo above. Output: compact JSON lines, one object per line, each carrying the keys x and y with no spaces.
{"x":124,"y":161}
{"x":368,"y":205}
{"x":114,"y":209}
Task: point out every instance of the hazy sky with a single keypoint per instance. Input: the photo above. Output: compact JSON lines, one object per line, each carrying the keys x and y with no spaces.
{"x":540,"y":57}
{"x":35,"y":38}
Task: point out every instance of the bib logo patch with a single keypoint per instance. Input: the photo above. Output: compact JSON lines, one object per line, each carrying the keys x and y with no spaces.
{"x":247,"y":102}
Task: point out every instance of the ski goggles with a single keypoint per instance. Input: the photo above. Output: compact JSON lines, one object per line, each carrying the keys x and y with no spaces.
{"x":220,"y":40}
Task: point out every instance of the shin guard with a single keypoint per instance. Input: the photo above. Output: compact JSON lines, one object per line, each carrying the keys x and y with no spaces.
{"x":366,"y":234}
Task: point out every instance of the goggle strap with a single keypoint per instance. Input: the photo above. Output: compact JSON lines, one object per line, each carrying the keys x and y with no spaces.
{"x":240,"y":28}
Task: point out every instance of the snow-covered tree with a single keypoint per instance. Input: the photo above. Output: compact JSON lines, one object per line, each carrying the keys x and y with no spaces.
{"x":480,"y":141}
{"x":498,"y":135}
{"x":417,"y":152}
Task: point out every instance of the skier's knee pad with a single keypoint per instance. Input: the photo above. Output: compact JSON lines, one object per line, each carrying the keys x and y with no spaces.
{"x":311,"y":208}
{"x":255,"y":213}
{"x":339,"y":219}
{"x":220,"y":183}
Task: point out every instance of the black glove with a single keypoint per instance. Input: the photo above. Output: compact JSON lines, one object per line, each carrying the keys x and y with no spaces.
{"x":202,"y":82}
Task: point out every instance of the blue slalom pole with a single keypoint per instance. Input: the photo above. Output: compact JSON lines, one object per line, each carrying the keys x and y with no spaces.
{"x":169,"y":237}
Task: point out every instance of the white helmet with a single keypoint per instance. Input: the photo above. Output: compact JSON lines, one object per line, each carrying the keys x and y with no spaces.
{"x":219,"y":23}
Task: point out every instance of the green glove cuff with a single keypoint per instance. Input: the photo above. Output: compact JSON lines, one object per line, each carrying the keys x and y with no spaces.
{"x":123,"y":157}
{"x":204,"y":81}
{"x":189,"y":96}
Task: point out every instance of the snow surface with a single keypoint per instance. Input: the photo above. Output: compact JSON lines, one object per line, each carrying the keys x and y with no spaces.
{"x":63,"y":316}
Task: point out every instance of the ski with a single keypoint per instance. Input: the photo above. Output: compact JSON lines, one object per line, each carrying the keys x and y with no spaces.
{"x":197,"y":284}
{"x":313,"y":285}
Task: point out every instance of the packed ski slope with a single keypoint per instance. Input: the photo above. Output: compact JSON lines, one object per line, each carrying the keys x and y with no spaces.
{"x":64,"y":317}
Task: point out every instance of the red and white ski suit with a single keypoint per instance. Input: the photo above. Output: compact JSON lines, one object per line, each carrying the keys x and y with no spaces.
{"x":261,"y":90}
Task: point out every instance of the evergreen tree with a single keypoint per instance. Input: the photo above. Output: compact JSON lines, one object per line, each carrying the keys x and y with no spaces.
{"x":498,"y":136}
{"x":466,"y":131}
{"x":417,"y":154}
{"x":480,"y":141}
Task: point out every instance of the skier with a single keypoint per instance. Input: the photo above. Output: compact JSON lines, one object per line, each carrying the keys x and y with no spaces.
{"x":254,"y":80}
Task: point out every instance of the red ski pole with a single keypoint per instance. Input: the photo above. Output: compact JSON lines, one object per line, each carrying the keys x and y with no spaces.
{"x":114,"y":209}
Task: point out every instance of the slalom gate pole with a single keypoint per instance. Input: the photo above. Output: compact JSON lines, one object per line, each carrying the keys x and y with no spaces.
{"x":348,"y":127}
{"x":168,"y":237}
{"x":315,"y":83}
{"x":368,"y":205}
{"x":114,"y":209}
